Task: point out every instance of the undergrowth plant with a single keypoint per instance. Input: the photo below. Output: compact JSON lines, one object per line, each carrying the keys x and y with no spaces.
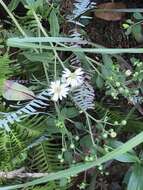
{"x":68,"y":115}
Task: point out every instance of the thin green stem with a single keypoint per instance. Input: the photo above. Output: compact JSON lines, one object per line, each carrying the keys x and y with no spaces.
{"x":44,"y":63}
{"x":55,"y":68}
{"x":46,"y":35}
{"x":90,"y":129}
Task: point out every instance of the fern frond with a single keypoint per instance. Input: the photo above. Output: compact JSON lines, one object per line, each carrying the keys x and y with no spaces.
{"x":84,"y":96}
{"x":44,"y":157}
{"x":81,"y":6}
{"x":5,"y":70}
{"x":38,"y":103}
{"x":13,"y":142}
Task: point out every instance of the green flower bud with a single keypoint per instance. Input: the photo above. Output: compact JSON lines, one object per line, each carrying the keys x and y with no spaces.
{"x":86,"y":158}
{"x":121,"y":89}
{"x":105,"y":135}
{"x":123,"y":122}
{"x":63,"y":150}
{"x":72,"y":146}
{"x":125,"y":26}
{"x":100,"y":167}
{"x":60,"y":156}
{"x":91,"y":158}
{"x":62,"y":160}
{"x":77,"y":138}
{"x":117,"y":84}
{"x":116,"y":123}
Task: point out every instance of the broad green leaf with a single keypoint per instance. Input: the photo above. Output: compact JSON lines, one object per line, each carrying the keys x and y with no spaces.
{"x":127,"y":157}
{"x":135,"y":181}
{"x":138,"y":16}
{"x":137,"y":32}
{"x":127,"y":176}
{"x":54,"y":24}
{"x":16,"y":92}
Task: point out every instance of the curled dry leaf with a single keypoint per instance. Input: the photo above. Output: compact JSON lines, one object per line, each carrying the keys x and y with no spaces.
{"x":14,"y":91}
{"x":109,"y":15}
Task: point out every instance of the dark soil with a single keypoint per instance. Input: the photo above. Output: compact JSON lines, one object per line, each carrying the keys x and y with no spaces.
{"x":111,"y":33}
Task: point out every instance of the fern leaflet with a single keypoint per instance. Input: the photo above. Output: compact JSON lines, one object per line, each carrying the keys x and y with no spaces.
{"x":84,"y":96}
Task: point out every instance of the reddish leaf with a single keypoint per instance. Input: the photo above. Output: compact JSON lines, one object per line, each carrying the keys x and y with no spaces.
{"x":16,"y":92}
{"x":110,"y":16}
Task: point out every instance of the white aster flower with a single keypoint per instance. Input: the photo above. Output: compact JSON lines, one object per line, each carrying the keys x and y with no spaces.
{"x":74,"y":79}
{"x":58,"y":90}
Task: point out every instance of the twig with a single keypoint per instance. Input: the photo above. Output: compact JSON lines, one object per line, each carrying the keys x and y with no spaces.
{"x":20,"y":173}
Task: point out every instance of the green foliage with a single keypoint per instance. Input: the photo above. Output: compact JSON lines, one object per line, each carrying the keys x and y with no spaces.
{"x":134,"y":27}
{"x":135,"y":181}
{"x":14,"y":142}
{"x":66,"y":137}
{"x":44,"y":157}
{"x":5,"y":69}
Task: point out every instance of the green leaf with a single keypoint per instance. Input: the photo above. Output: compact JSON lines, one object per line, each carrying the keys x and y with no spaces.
{"x":13,"y":4}
{"x":54,"y":24}
{"x":107,"y":67}
{"x":70,"y":112}
{"x":128,"y":31}
{"x":44,"y":56}
{"x":34,"y":4}
{"x":107,"y":61}
{"x":99,"y":82}
{"x":68,"y":156}
{"x":138,"y":16}
{"x":127,"y":157}
{"x":137,"y":32}
{"x":135,"y":181}
{"x":86,"y":141}
{"x":29,"y":43}
{"x":79,"y":125}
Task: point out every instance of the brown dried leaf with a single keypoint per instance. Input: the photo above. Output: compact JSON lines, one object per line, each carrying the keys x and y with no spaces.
{"x":110,"y":16}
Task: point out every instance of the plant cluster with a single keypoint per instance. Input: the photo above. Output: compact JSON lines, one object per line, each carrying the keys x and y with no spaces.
{"x":67,"y":105}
